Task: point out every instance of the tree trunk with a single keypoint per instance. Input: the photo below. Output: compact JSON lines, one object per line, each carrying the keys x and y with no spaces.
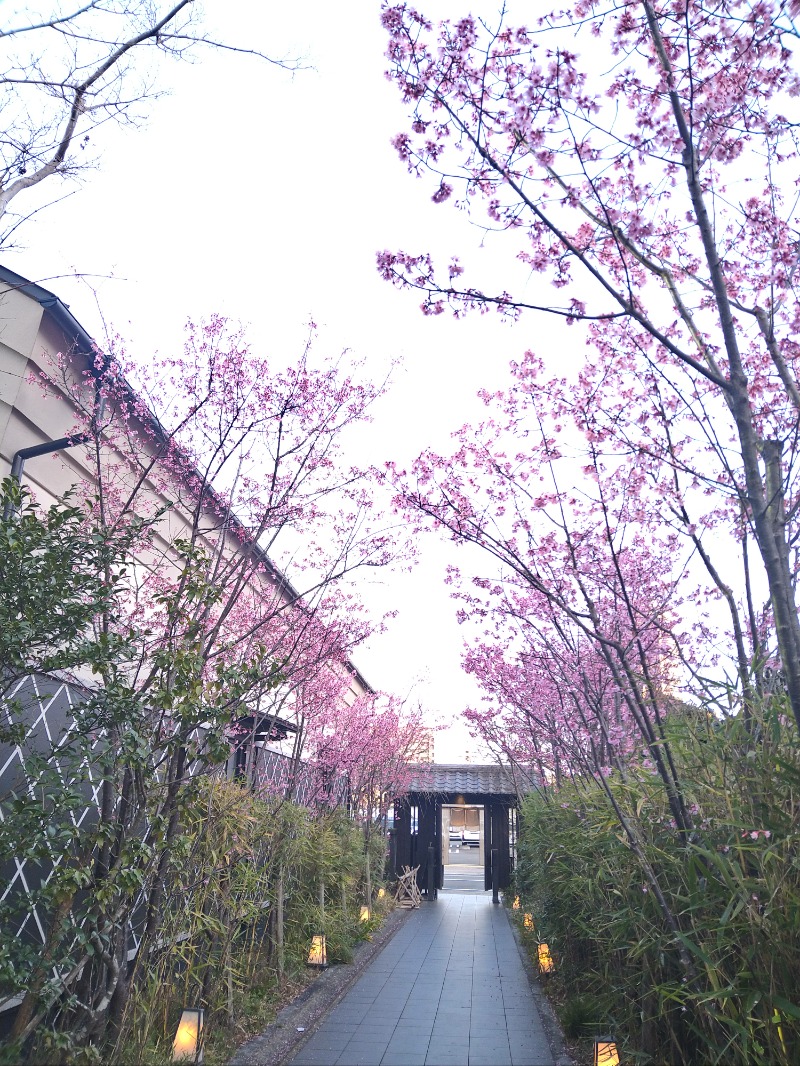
{"x":368,"y":880}
{"x":279,"y":925}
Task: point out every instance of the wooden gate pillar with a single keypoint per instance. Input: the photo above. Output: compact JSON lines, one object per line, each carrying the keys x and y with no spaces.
{"x":430,"y":833}
{"x":495,"y":835}
{"x":402,"y":842}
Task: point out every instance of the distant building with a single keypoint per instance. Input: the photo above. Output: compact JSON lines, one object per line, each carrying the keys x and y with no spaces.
{"x":423,"y":749}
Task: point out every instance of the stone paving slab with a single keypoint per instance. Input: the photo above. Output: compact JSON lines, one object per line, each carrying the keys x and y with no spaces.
{"x":449,"y":989}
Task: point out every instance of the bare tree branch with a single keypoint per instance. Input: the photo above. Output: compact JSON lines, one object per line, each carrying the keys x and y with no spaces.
{"x":76,"y":71}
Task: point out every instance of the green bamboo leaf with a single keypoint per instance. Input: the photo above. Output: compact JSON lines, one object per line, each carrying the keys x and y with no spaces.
{"x":788,"y":1008}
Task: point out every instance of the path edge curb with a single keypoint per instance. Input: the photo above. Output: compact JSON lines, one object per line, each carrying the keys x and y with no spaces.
{"x":280,"y":1041}
{"x":552,"y":1027}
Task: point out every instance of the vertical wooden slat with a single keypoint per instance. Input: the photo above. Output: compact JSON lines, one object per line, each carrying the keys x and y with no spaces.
{"x":488,"y":808}
{"x":501,"y":842}
{"x":402,"y":825}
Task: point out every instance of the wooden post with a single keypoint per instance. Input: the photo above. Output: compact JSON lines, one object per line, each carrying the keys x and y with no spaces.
{"x":431,"y":890}
{"x":495,"y":876}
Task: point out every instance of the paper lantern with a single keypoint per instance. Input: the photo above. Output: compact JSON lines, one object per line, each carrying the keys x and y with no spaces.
{"x":318,"y":954}
{"x":605,"y":1052}
{"x":515,"y":904}
{"x":365,"y":914}
{"x":188,"y":1046}
{"x":527,"y":922}
{"x":545,"y":959}
{"x":381,"y":893}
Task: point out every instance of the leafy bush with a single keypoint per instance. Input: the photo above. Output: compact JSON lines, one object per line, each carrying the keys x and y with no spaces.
{"x":221,"y":888}
{"x":219,"y":933}
{"x":720,"y":985}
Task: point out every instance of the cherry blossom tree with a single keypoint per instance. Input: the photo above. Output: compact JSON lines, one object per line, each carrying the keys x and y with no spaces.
{"x":596,"y":614}
{"x":369,"y":744}
{"x":642,"y":159}
{"x":581,"y":602}
{"x":200,"y":628}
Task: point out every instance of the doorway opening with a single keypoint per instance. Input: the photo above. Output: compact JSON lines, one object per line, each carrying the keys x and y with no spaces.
{"x":463,"y":832}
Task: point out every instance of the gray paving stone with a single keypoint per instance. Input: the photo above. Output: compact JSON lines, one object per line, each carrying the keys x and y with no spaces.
{"x":448,"y":1058}
{"x":497,"y":1041}
{"x":328,"y":1042}
{"x":350,"y":1012}
{"x":452,"y":1021}
{"x":522,"y":1018}
{"x":487,"y":1028}
{"x":374,"y":1032}
{"x":537,"y":1054}
{"x":522,"y":1038}
{"x":361,"y":1057}
{"x":375,"y":1047}
{"x":532,"y":1058}
{"x":414,"y":1040}
{"x":312,"y":1058}
{"x":448,"y":1047}
{"x":449,"y":990}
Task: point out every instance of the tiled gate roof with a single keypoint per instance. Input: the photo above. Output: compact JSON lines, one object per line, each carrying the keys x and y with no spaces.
{"x":489,"y":778}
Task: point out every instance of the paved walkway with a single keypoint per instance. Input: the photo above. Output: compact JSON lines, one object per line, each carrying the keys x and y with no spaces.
{"x":448,"y":990}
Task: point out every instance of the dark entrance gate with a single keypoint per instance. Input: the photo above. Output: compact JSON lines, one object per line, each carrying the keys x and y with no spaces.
{"x":417,"y":832}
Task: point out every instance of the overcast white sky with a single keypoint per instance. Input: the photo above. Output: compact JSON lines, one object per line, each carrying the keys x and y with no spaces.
{"x":265,"y":196}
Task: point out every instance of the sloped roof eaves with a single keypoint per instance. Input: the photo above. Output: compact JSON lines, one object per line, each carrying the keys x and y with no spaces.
{"x":470,"y":778}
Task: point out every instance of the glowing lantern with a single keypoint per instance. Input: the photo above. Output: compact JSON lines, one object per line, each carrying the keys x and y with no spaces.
{"x":381,"y":893}
{"x":318,"y":955}
{"x":605,"y":1052}
{"x":527,"y":922}
{"x":187,"y":1046}
{"x":545,"y":959}
{"x":515,"y":904}
{"x":365,"y":914}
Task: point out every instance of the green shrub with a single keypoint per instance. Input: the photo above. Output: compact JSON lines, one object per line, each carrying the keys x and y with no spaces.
{"x":721,"y":986}
{"x":581,"y":1015}
{"x":220,"y":940}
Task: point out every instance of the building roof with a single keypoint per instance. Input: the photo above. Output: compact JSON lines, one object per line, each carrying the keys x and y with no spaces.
{"x":472,"y":778}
